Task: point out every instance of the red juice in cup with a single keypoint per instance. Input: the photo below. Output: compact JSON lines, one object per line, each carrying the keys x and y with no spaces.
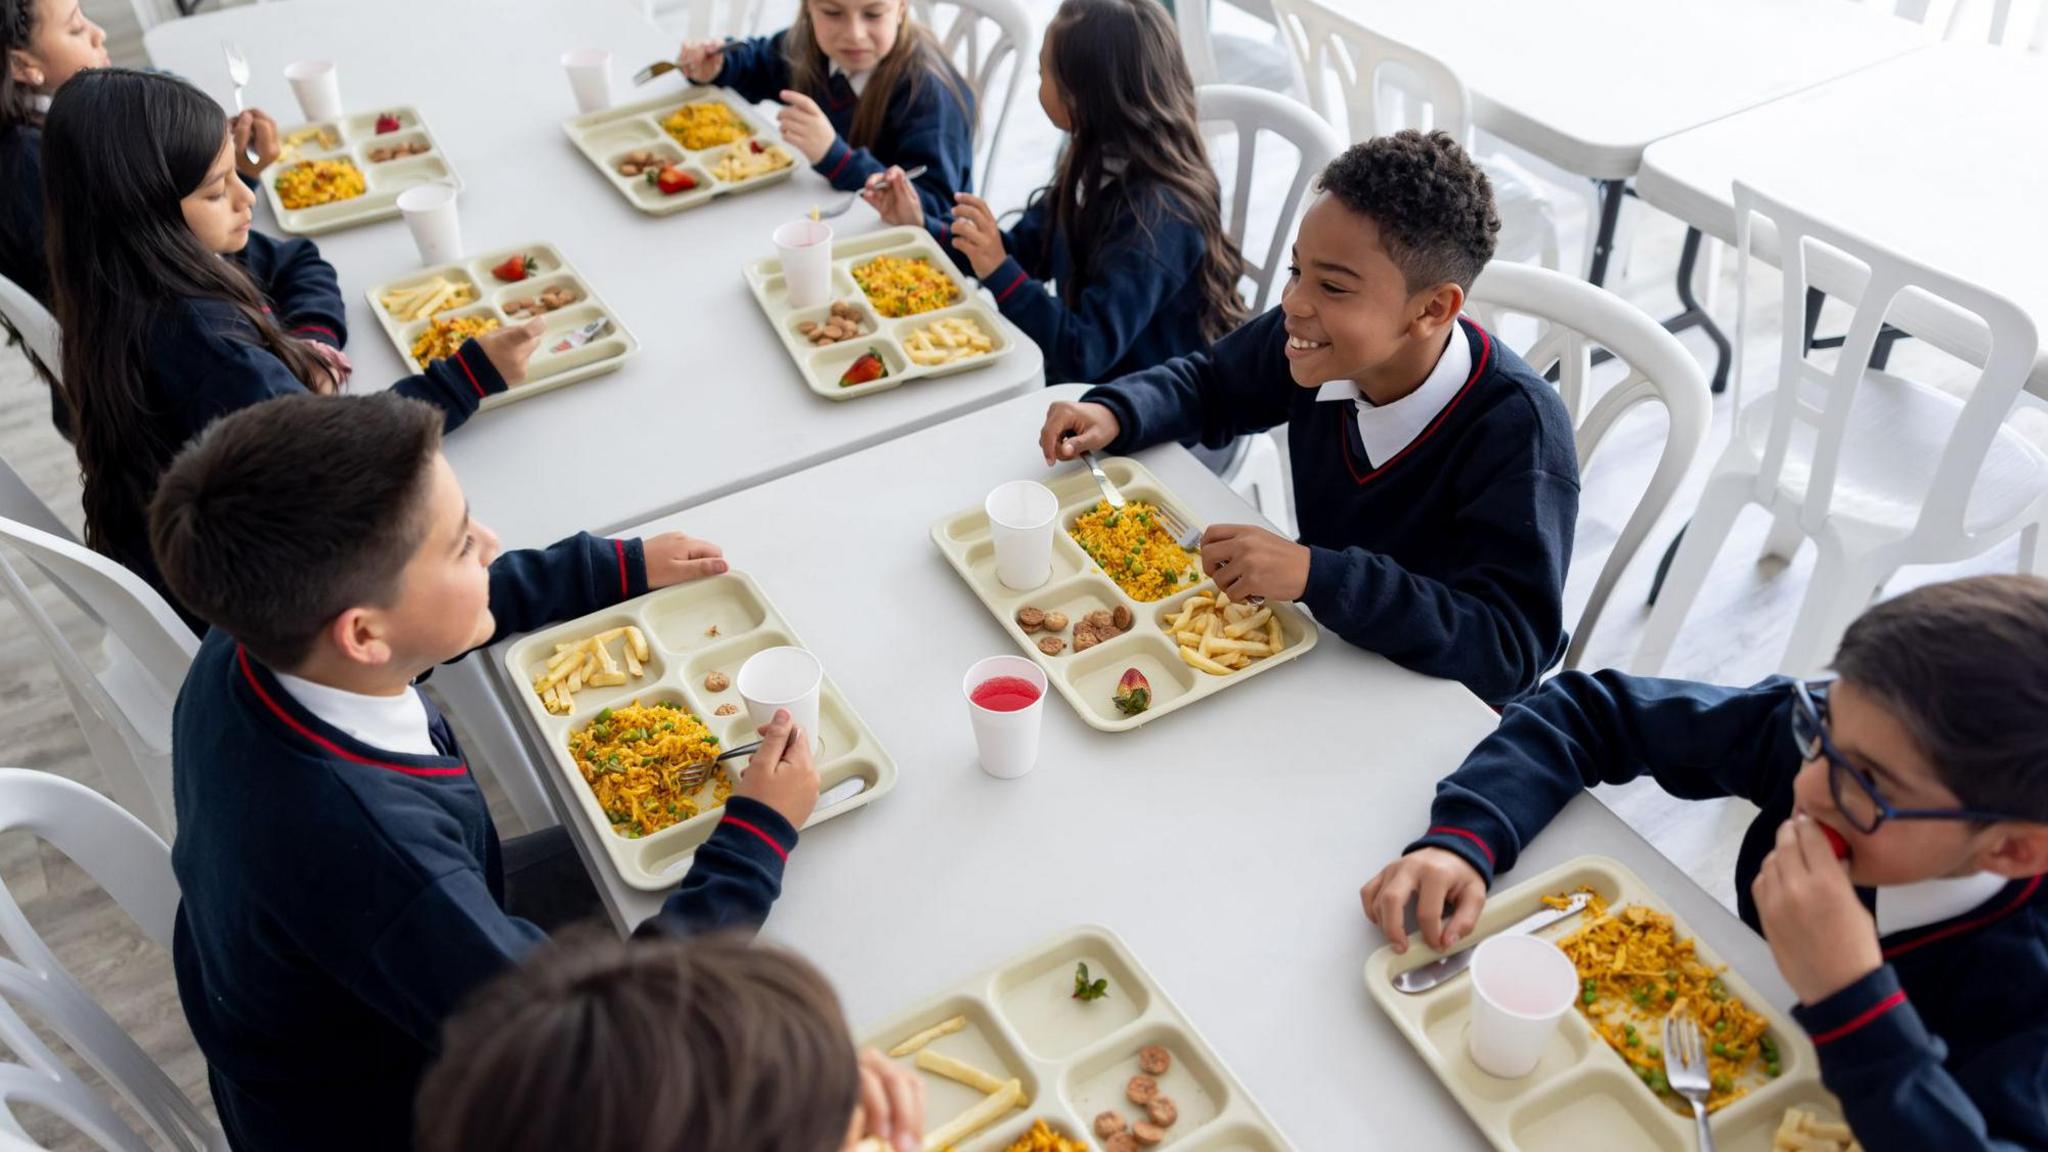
{"x":1005,"y":694}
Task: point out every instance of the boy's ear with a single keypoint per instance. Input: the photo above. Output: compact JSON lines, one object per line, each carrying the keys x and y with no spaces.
{"x":1437,"y":308}
{"x":2016,"y":851}
{"x":358,"y":634}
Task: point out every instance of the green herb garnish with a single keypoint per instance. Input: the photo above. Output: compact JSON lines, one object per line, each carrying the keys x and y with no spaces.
{"x":1083,"y":989}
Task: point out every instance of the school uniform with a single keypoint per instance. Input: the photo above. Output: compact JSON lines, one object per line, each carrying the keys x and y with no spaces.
{"x":341,"y":899}
{"x":1944,"y":1047}
{"x":1439,"y":526}
{"x":1142,"y":305}
{"x":929,"y":121}
{"x":21,"y":211}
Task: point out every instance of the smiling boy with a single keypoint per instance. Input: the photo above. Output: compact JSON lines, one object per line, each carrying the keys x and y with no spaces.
{"x":1921,"y":962}
{"x":1434,"y":473}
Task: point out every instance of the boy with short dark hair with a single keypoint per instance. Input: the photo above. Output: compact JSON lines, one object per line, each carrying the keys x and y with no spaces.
{"x":1921,"y":961}
{"x":705,"y":1043}
{"x":343,"y":886}
{"x":1435,"y":476}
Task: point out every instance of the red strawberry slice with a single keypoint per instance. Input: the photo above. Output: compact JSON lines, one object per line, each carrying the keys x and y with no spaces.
{"x":387,"y":123}
{"x":865,"y":370}
{"x":672,"y":180}
{"x":1839,"y":845}
{"x":516,"y":267}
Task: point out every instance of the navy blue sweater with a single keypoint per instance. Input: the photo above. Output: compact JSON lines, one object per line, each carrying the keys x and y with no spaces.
{"x":21,"y":211}
{"x":341,"y":900}
{"x":1449,"y":558}
{"x":1140,"y":307}
{"x":928,"y":122}
{"x":1945,"y":1047}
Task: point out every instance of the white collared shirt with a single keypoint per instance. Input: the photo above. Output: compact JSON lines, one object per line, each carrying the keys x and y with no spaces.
{"x":394,"y":723}
{"x":858,"y":81}
{"x":1386,"y":429}
{"x":1909,"y":906}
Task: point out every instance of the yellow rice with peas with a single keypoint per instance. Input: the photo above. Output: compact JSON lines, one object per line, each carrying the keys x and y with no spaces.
{"x":703,"y":124}
{"x":633,"y":759}
{"x":442,"y":338}
{"x":318,"y":182}
{"x":1634,"y":970}
{"x":904,"y":286}
{"x":1133,"y":550}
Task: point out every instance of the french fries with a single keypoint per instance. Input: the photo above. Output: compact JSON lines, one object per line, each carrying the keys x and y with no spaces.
{"x":940,"y":1064}
{"x":991,"y":1109}
{"x":943,"y":1028}
{"x":426,"y":299}
{"x":1218,"y":636}
{"x":1802,"y":1131}
{"x":946,"y":341}
{"x":588,"y":663}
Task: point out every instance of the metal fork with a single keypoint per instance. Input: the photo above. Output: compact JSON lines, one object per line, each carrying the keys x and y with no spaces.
{"x":1189,"y":539}
{"x":238,"y":73}
{"x":694,"y":775}
{"x":847,"y":204}
{"x":1685,"y":1068}
{"x":664,"y":67}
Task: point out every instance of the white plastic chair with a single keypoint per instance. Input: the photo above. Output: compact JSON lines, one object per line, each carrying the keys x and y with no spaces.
{"x":1878,"y":470}
{"x":124,"y":707}
{"x":2017,"y":25}
{"x":979,"y":37}
{"x":38,"y":329}
{"x":1385,"y":86}
{"x":1578,"y":317}
{"x":134,"y":867}
{"x":707,"y":19}
{"x":1228,"y":59}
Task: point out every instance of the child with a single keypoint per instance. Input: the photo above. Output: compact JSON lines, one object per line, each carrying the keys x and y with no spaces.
{"x":174,"y":311}
{"x":1434,"y":473}
{"x":1131,"y":231}
{"x":1927,"y":759}
{"x":343,"y":886}
{"x":705,"y":1043}
{"x":863,"y":86}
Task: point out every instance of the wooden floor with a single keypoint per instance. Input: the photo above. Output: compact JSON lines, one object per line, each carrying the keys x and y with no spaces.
{"x":1734,"y":635}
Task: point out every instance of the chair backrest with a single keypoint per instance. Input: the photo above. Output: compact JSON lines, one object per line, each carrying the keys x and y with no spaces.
{"x":1576,"y":318}
{"x":2019,"y":25}
{"x":706,"y":19}
{"x":1251,"y":112}
{"x":1382,"y":84}
{"x":129,"y":608}
{"x":19,"y":502}
{"x":27,"y":316}
{"x":134,"y":867}
{"x":980,"y":37}
{"x":1812,"y":401}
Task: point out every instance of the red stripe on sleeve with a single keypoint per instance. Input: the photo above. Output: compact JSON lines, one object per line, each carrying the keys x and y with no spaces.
{"x":327,"y":332}
{"x":1014,"y":285}
{"x":1863,"y":1018}
{"x":625,"y":589}
{"x":765,"y":838}
{"x":1447,"y":830}
{"x":839,"y":167}
{"x":466,"y":372}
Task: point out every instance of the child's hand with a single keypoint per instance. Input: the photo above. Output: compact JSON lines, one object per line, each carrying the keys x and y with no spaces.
{"x":254,"y":129}
{"x":804,"y":126}
{"x":335,"y":361}
{"x":893,"y":198}
{"x":1434,"y":878}
{"x":509,"y":349}
{"x":891,"y":1107}
{"x":1821,"y":935}
{"x":673,"y":558}
{"x":1246,"y":562}
{"x":702,"y":60}
{"x":976,"y":235}
{"x":1071,"y":429}
{"x":780,"y":774}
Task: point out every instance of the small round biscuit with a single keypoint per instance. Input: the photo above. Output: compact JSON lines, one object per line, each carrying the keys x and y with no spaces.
{"x":1108,"y":1124}
{"x":1161,"y":1111}
{"x":1121,"y":618}
{"x":1100,"y":619}
{"x":1084,"y":639}
{"x":1121,"y":1142}
{"x":1030,"y":619}
{"x":1051,"y":645}
{"x":1147,"y":1134}
{"x":716,"y":682}
{"x":1055,"y":621}
{"x":1141,"y":1090}
{"x":1154,"y":1060}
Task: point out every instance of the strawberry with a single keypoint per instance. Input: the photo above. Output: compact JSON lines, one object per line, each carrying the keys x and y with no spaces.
{"x":387,"y":123}
{"x":516,"y":267}
{"x":672,"y":180}
{"x":868,"y":368}
{"x":1836,"y":842}
{"x":1133,"y":693}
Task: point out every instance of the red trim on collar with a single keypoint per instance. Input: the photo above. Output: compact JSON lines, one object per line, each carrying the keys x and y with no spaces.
{"x":249,"y":674}
{"x":1478,"y":368}
{"x":765,"y":838}
{"x":625,"y":590}
{"x":2018,"y":902}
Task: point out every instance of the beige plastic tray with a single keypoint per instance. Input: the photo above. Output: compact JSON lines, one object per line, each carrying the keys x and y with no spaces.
{"x":822,"y":366}
{"x":383,"y":181}
{"x":1583,"y":1095}
{"x":1078,"y":586}
{"x":1074,"y":1058}
{"x":676,"y":621}
{"x":547,"y":369}
{"x":607,"y":136}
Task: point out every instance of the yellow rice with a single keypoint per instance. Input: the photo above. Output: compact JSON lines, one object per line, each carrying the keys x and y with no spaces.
{"x":706,"y":124}
{"x":442,"y":338}
{"x":904,"y":286}
{"x":1133,"y":550}
{"x":633,"y":756}
{"x":319,"y":182}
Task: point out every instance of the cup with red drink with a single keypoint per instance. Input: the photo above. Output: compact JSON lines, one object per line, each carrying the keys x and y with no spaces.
{"x":1006,"y":705}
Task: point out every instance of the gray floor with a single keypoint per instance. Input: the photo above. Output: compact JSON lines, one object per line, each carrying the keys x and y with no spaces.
{"x":1734,"y":635}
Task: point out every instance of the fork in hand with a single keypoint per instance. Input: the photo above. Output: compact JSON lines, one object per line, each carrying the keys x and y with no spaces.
{"x":238,"y":73}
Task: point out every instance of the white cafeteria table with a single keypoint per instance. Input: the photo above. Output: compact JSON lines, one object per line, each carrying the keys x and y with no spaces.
{"x":711,"y":404}
{"x":1225,"y":843}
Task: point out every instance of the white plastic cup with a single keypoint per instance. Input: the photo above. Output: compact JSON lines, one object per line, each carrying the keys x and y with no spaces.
{"x":318,"y":88}
{"x":806,"y":250}
{"x":590,"y":77}
{"x":1521,"y":987}
{"x":429,"y":210}
{"x":1020,"y":518}
{"x":1006,"y":742}
{"x":775,"y":678}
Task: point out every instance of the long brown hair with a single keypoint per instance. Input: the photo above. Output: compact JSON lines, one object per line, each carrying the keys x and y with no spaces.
{"x":914,"y":59}
{"x":609,"y":1045}
{"x":1119,"y":67}
{"x":121,"y":149}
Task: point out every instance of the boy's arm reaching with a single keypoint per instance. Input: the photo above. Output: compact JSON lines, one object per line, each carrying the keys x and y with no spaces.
{"x":532,"y":588}
{"x":1237,"y":385}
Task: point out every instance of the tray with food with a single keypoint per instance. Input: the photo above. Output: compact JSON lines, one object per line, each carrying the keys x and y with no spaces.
{"x":632,"y":701}
{"x":1127,"y":628}
{"x":1601,"y":1082}
{"x":678,"y":151}
{"x":336,"y":174}
{"x":899,"y":312}
{"x":1069,"y":1048}
{"x":429,"y":313}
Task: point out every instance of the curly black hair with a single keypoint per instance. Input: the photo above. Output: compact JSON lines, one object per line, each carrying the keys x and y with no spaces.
{"x":1431,"y":200}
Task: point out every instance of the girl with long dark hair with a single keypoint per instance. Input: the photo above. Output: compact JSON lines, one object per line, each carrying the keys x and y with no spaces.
{"x":46,"y":43}
{"x":174,"y":311}
{"x":1129,"y":234}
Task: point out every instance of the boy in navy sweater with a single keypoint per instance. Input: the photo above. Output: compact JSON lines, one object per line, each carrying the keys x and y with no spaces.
{"x":1920,"y":963}
{"x":343,"y":886}
{"x":1434,"y":472}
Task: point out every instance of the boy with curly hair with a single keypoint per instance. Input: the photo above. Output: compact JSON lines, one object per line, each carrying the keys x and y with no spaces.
{"x":1434,"y":472}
